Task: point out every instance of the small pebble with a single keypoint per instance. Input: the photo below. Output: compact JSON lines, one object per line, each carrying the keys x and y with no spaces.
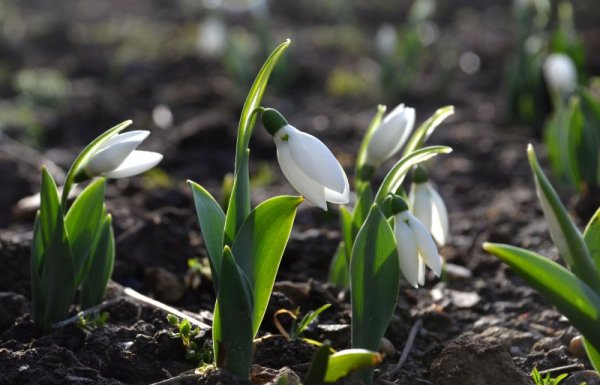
{"x":587,"y":377}
{"x":576,"y":347}
{"x":386,"y":347}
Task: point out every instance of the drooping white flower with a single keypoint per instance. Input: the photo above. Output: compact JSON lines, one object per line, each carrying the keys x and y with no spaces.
{"x":390,"y":135}
{"x":416,"y":248}
{"x":386,"y":40}
{"x":560,"y":73}
{"x":117,"y":158}
{"x":427,"y":205}
{"x":307,"y":163}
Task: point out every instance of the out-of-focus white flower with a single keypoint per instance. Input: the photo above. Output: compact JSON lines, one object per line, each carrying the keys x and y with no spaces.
{"x":416,"y":247}
{"x":560,"y":73}
{"x":117,"y":158}
{"x":307,"y":163}
{"x":212,"y":37}
{"x":427,"y":205}
{"x":386,"y":40}
{"x":390,"y":135}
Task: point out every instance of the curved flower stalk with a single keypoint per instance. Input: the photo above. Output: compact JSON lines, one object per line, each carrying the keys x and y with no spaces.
{"x":307,"y":163}
{"x":118,"y":157}
{"x":389,"y":137}
{"x":416,"y":247}
{"x":428,"y":206}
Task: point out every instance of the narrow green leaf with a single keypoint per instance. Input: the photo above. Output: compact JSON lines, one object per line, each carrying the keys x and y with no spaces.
{"x":318,"y":367}
{"x":346,"y":220}
{"x":564,"y":233}
{"x":232,"y":320}
{"x":374,"y":280}
{"x":591,"y":235}
{"x":37,"y":255}
{"x":238,"y":208}
{"x":212,"y":224}
{"x":259,"y":246}
{"x":571,"y":295}
{"x":309,"y":318}
{"x":398,"y":172}
{"x":361,"y":209}
{"x":84,"y":156}
{"x":421,"y":134}
{"x":593,"y":354}
{"x":361,"y":157}
{"x":254,"y":99}
{"x":339,"y":268}
{"x":57,"y":270}
{"x":102,"y":261}
{"x":83,"y":221}
{"x":346,"y":361}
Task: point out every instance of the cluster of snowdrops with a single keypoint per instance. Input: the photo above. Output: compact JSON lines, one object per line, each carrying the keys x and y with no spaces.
{"x":388,"y":234}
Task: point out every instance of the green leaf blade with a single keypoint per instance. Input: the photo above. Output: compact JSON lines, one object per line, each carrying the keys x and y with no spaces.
{"x":238,"y":208}
{"x":102,"y":262}
{"x":339,"y":268}
{"x":375,"y":281}
{"x":212,"y":225}
{"x":259,"y":246}
{"x":83,"y":222}
{"x":591,"y":235}
{"x":346,"y":361}
{"x":421,"y":134}
{"x":232,"y":320}
{"x":571,"y":295}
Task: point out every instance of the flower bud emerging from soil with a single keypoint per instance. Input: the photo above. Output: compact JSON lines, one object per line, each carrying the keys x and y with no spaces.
{"x":117,"y":158}
{"x":307,"y":163}
{"x":389,"y":137}
{"x":428,"y":206}
{"x":415,"y":245}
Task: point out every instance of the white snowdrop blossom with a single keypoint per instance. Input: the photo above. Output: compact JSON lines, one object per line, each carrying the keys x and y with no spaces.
{"x":309,"y":166}
{"x":118,"y":158}
{"x":560,"y":73}
{"x":416,"y":248}
{"x":389,"y":137}
{"x":428,"y":206}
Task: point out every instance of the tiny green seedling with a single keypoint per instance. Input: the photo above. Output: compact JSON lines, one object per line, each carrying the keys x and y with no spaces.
{"x":297,"y":328}
{"x":548,"y":380}
{"x":92,"y":321}
{"x":187,"y":333}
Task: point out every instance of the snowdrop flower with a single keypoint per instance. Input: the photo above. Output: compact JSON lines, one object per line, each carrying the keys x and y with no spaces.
{"x":117,"y":158}
{"x":307,"y":163}
{"x":390,"y":135}
{"x":416,"y":247}
{"x":560,"y":73}
{"x":428,"y":206}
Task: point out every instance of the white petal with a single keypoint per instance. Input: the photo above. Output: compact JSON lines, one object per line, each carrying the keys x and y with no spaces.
{"x":439,"y":216}
{"x":136,"y":163}
{"x":421,"y":272}
{"x":308,"y":188}
{"x":391,"y":134}
{"x":339,"y":197}
{"x":425,"y":245}
{"x":315,"y":159}
{"x":420,"y":202}
{"x":560,"y":73}
{"x":407,"y":251}
{"x":114,"y":151}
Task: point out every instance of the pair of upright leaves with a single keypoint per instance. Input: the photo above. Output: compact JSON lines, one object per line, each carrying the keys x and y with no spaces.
{"x":574,"y":290}
{"x":72,"y":251}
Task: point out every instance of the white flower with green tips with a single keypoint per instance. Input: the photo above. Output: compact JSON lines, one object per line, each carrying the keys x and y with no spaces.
{"x":416,"y":248}
{"x":307,"y":163}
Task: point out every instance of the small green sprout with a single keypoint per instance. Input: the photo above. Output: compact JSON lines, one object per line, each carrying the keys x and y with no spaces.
{"x":539,"y":380}
{"x":89,"y":322}
{"x":297,"y":328}
{"x":193,"y":353}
